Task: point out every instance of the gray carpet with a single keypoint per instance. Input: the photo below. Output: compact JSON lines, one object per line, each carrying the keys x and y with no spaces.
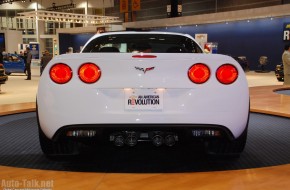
{"x":285,"y":92}
{"x":268,"y":145}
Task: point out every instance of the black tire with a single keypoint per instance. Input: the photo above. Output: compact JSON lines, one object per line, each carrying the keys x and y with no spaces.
{"x":57,"y":149}
{"x":224,"y":147}
{"x":7,"y":73}
{"x":228,"y":148}
{"x":52,"y":149}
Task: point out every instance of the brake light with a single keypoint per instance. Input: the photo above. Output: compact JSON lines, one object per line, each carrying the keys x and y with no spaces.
{"x":227,"y":74}
{"x":199,"y":73}
{"x":89,"y":73}
{"x":144,"y":56}
{"x":60,"y":73}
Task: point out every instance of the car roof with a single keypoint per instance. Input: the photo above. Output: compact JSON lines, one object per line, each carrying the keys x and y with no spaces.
{"x":136,"y":32}
{"x":140,"y":32}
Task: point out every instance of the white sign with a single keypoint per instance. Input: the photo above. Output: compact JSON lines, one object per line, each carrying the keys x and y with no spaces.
{"x":201,"y":39}
{"x":286,"y":32}
{"x":143,"y":99}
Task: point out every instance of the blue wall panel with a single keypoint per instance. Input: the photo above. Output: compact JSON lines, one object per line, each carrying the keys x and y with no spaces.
{"x":2,"y":42}
{"x":261,"y":37}
{"x":65,"y":41}
{"x":72,"y":40}
{"x":80,"y":40}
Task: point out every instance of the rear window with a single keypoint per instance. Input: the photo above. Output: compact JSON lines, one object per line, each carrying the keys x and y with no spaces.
{"x":147,"y":43}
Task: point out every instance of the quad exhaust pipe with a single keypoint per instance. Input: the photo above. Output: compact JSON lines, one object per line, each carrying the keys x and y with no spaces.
{"x":119,"y":140}
{"x":157,"y":140}
{"x":131,"y":138}
{"x":170,"y":140}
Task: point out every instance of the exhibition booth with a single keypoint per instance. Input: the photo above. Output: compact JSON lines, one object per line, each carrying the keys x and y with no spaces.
{"x":251,"y":38}
{"x":102,"y":163}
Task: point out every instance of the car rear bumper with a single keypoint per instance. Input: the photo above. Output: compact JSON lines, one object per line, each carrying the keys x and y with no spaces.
{"x":143,"y":132}
{"x":215,"y":105}
{"x":234,"y":120}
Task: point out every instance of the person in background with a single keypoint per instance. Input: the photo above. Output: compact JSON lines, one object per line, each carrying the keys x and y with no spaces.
{"x":45,"y":60}
{"x":23,"y":55}
{"x":1,"y":56}
{"x":286,"y":64}
{"x":69,"y":50}
{"x":141,"y":47}
{"x":28,"y":63}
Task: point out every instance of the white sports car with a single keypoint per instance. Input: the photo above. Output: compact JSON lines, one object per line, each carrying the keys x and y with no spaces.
{"x":136,"y":87}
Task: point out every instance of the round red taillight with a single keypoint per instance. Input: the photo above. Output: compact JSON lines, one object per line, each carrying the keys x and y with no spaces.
{"x":199,"y":73}
{"x":227,"y":74}
{"x":60,"y":73}
{"x":89,"y":73}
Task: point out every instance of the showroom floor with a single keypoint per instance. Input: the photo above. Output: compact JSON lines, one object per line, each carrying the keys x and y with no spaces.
{"x":22,"y":149}
{"x":18,"y":90}
{"x":263,"y":100}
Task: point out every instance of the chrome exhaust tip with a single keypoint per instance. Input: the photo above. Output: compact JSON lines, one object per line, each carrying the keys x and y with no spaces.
{"x":131,"y":139}
{"x":157,"y":140}
{"x":170,"y":140}
{"x":119,"y":140}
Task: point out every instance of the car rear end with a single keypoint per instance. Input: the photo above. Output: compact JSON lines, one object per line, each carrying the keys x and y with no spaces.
{"x":127,"y":98}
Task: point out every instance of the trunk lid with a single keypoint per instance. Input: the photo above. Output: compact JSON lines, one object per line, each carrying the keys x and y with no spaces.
{"x":159,"y":70}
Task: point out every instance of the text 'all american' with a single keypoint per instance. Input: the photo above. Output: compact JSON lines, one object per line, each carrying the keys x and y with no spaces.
{"x":144,"y":100}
